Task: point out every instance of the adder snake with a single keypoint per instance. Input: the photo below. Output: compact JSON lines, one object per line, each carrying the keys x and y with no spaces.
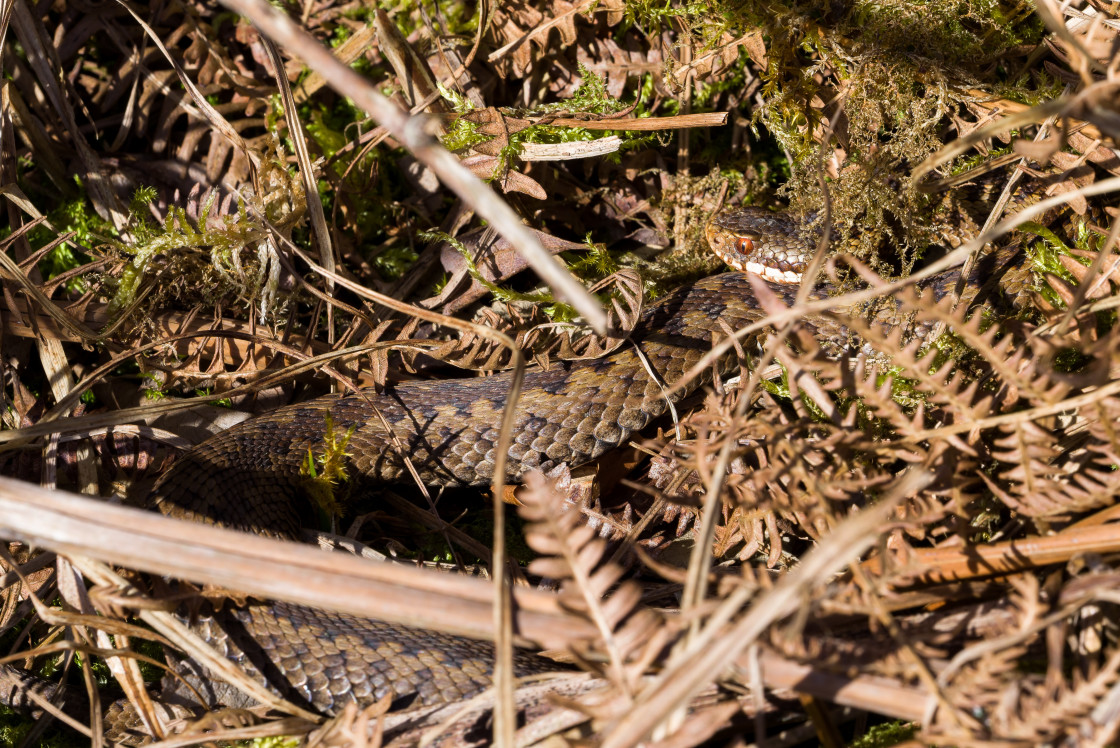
{"x":249,"y":477}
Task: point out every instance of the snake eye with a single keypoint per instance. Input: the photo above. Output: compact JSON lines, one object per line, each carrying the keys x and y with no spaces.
{"x":745,"y":245}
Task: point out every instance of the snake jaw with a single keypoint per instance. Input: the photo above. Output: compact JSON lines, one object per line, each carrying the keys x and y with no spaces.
{"x":745,"y":239}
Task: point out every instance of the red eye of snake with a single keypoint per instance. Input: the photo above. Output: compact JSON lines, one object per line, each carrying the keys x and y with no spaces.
{"x":745,"y":245}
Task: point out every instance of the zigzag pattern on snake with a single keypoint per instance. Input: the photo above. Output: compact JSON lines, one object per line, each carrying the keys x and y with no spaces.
{"x":249,"y":476}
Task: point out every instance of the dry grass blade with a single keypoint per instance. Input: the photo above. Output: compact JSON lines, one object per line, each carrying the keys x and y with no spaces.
{"x":678,"y":122}
{"x":306,"y":169}
{"x":905,"y":503}
{"x":931,"y":566}
{"x":273,"y":569}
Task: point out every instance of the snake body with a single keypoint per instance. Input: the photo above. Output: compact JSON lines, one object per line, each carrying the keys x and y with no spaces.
{"x":248,"y":477}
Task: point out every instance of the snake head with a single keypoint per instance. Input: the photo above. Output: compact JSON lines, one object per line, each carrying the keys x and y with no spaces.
{"x":755,"y":240}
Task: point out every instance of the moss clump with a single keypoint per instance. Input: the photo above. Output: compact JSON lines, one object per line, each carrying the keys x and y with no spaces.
{"x":14,"y":728}
{"x":325,"y":474}
{"x":885,"y":735}
{"x":891,"y":75}
{"x":213,"y":258}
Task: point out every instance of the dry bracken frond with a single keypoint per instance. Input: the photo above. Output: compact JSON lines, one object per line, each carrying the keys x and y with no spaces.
{"x":631,"y":636}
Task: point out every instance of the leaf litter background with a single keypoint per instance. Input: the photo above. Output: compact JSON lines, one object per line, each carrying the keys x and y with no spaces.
{"x":922,"y":533}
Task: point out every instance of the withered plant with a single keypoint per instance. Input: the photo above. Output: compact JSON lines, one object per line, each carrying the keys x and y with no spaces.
{"x":902,"y":507}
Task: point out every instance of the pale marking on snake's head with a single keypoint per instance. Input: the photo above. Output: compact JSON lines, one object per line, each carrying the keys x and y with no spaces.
{"x":753,"y":240}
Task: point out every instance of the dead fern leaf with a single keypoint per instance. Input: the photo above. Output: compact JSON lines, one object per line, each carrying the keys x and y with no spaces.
{"x":630,"y":635}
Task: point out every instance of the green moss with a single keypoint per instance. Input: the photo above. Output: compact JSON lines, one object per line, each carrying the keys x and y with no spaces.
{"x":14,"y":728}
{"x":885,"y":735}
{"x":329,"y":139}
{"x":275,"y":742}
{"x":654,"y":14}
{"x":325,"y":474}
{"x":75,"y":216}
{"x":462,"y":134}
{"x":597,"y":262}
{"x":392,"y":262}
{"x":363,"y":184}
{"x":591,"y":96}
{"x":223,"y":402}
{"x":213,"y":258}
{"x":898,"y":68}
{"x":1046,"y":254}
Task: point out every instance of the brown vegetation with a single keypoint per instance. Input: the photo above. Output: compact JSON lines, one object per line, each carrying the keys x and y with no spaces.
{"x":204,"y":211}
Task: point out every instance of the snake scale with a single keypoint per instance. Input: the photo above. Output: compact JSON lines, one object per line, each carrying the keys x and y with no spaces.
{"x":248,"y":477}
